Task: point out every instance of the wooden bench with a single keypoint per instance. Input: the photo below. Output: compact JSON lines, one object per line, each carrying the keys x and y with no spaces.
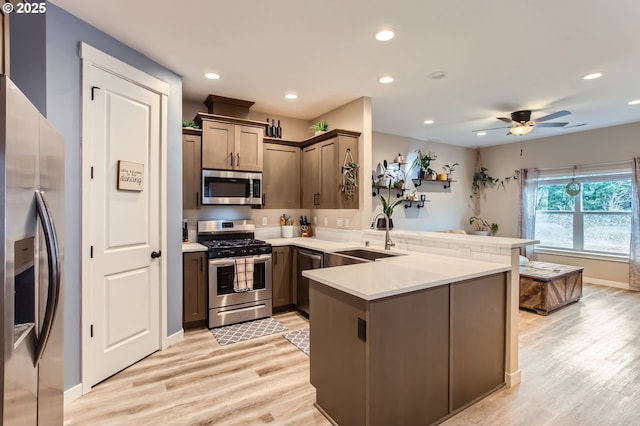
{"x":545,"y":287}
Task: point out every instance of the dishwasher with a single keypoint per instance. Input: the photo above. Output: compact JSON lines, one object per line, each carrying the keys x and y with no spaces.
{"x":303,"y":261}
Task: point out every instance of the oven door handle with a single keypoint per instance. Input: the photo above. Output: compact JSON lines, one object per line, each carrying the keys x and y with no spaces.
{"x":223,"y":262}
{"x":231,"y":261}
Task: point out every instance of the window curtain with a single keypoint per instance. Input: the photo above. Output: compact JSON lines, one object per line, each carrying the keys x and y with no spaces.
{"x":634,"y":250}
{"x":528,"y":197}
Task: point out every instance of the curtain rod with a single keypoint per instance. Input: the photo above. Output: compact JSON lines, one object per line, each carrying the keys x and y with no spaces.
{"x":577,"y":166}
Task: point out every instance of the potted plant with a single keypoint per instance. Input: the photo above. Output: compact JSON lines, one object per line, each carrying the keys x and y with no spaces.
{"x":190,"y":124}
{"x":320,"y":127}
{"x":482,"y":227}
{"x":423,"y":162}
{"x":387,"y":208}
{"x":448,"y":169}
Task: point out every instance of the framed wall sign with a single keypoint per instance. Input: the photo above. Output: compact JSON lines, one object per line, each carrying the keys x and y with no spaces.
{"x":130,"y":176}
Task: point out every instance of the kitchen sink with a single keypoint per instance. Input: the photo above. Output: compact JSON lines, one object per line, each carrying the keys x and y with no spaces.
{"x":367,"y":254}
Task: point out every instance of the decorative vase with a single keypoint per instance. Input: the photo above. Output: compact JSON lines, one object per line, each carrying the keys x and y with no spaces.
{"x":380,"y":224}
{"x":319,"y":132}
{"x":422,"y":174}
{"x":441,"y":176}
{"x":485,"y":233}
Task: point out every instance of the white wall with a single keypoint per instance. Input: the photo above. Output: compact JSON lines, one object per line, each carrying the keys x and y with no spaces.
{"x":610,"y":144}
{"x":447,"y":209}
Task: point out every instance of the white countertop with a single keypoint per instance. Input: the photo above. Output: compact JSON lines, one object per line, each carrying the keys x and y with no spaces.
{"x":313,"y":243}
{"x":191,"y":247}
{"x":402,"y":274}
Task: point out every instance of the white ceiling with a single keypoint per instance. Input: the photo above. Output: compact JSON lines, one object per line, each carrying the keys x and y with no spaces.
{"x":499,"y":56}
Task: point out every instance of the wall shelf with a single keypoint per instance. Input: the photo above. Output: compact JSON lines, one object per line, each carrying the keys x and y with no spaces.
{"x":418,"y":203}
{"x":445,"y":183}
{"x":377,"y":188}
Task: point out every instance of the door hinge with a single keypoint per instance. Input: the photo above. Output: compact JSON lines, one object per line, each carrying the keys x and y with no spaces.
{"x":93,"y":89}
{"x":91,"y":331}
{"x":91,"y":172}
{"x":91,"y":252}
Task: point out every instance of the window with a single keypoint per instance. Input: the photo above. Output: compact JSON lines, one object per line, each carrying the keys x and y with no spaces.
{"x":596,"y":221}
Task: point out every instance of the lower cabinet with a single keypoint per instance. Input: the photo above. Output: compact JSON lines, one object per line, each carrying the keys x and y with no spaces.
{"x":282,"y":290}
{"x":194,"y":289}
{"x":410,"y":359}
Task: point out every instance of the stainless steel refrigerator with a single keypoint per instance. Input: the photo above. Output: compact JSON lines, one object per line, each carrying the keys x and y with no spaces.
{"x":31,"y":224}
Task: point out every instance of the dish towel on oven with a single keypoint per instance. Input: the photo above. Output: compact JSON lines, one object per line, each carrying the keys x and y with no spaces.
{"x":243,"y":278}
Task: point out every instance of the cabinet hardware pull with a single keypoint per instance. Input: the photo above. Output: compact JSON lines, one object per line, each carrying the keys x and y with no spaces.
{"x":231,"y":158}
{"x":197,"y":198}
{"x":238,"y":160}
{"x":275,"y":257}
{"x":264,"y":199}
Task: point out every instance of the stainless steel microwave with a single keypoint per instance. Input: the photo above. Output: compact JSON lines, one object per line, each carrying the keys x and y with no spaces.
{"x":231,"y":188}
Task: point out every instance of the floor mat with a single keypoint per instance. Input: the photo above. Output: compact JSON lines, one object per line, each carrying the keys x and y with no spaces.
{"x":299,"y":339}
{"x":247,"y":330}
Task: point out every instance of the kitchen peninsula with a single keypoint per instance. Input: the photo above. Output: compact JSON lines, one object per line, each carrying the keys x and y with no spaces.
{"x":410,"y":339}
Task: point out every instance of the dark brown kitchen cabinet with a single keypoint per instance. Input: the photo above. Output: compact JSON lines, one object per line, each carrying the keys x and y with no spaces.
{"x":282,"y":290}
{"x":194,"y":289}
{"x":322,"y":173}
{"x":281,"y":177}
{"x":191,"y":169}
{"x":232,"y":146}
{"x":370,"y":368}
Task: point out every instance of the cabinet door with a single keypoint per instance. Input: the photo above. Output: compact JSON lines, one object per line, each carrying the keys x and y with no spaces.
{"x":478,"y":312}
{"x":194,"y":287}
{"x":329,"y":173}
{"x":191,"y":171}
{"x":281,"y":177}
{"x":282,"y":277}
{"x":248,"y":149}
{"x":338,"y":360}
{"x":310,"y":176}
{"x":218,"y":144}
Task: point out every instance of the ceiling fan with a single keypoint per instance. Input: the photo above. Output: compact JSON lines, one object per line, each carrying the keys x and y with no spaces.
{"x":522,"y":124}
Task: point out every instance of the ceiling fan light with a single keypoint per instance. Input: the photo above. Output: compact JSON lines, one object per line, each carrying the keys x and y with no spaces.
{"x":520,"y":130}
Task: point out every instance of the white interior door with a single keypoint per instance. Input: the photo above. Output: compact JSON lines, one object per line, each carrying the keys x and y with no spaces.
{"x":124,"y":224}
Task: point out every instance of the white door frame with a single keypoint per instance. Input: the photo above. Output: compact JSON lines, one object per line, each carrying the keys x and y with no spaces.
{"x":92,"y":57}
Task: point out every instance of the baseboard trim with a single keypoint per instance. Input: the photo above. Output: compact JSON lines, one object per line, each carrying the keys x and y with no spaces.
{"x":72,"y":394}
{"x":173,"y":339}
{"x":513,"y":379}
{"x":607,"y":283}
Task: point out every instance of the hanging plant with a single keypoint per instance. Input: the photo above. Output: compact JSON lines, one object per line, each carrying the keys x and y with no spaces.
{"x":482,"y":180}
{"x":349,"y":179}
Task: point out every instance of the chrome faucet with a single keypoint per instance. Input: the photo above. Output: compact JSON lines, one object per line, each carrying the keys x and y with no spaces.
{"x":387,"y":238}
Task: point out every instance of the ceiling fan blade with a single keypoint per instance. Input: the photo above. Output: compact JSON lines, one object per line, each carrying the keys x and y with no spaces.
{"x":556,"y":124}
{"x":505,"y":119}
{"x":492,"y":128}
{"x":551,"y":116}
{"x":576,"y":125}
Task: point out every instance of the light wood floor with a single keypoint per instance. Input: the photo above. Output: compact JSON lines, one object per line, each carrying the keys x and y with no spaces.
{"x":580,"y":366}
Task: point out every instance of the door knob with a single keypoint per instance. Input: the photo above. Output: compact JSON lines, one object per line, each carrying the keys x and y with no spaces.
{"x":156,"y":254}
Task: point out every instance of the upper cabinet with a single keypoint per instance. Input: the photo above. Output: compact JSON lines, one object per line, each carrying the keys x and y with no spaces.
{"x":323,"y":172}
{"x":191,"y":168}
{"x":281,"y":177}
{"x":232,"y":145}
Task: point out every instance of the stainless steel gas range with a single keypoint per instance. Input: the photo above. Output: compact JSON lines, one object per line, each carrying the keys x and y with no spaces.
{"x":240,"y":282}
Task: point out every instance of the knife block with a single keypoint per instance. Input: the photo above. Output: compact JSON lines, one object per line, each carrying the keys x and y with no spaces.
{"x":305,"y":231}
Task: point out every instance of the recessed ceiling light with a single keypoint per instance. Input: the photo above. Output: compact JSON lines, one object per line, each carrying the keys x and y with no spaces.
{"x":290,"y":96}
{"x":592,"y":76}
{"x":635,"y":102}
{"x":437,"y":75}
{"x":481,"y":133}
{"x":212,"y":76}
{"x":385,"y":34}
{"x":428,"y":121}
{"x":386,"y":79}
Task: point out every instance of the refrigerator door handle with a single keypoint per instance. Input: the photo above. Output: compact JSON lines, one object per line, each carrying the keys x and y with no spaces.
{"x":53,"y":260}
